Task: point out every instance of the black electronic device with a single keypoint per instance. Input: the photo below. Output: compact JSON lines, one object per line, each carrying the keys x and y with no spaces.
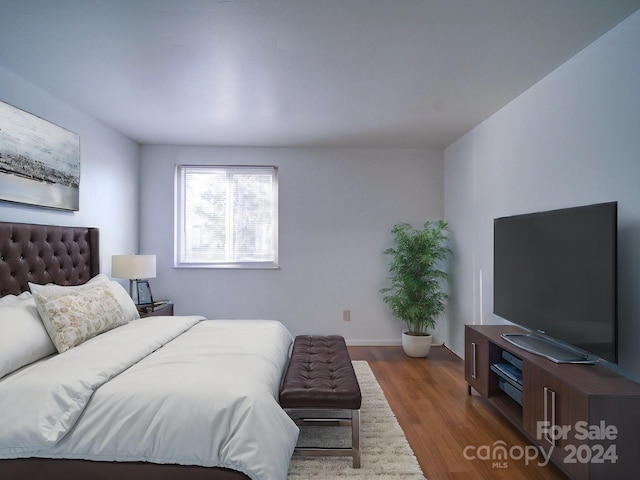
{"x":555,"y":274}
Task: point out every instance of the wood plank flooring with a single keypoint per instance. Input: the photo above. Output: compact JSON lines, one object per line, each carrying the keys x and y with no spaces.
{"x":429,"y":398}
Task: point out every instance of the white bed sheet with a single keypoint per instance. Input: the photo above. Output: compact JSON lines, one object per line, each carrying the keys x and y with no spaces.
{"x":179,"y":390}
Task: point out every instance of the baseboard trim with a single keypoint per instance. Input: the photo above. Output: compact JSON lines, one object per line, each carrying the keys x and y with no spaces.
{"x":381,"y":343}
{"x":373,"y":343}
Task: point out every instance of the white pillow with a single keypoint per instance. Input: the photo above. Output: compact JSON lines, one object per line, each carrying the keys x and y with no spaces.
{"x":23,"y":338}
{"x":74,"y":315}
{"x":9,"y":299}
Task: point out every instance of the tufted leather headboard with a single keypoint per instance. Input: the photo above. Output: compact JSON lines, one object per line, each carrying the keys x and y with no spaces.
{"x":46,"y":254}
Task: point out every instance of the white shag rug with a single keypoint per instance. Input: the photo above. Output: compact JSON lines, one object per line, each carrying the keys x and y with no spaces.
{"x":386,"y":454}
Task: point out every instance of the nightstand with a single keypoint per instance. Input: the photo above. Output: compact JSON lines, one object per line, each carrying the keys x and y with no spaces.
{"x":163,"y":309}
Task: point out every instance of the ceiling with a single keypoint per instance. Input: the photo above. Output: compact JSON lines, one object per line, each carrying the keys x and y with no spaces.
{"x":381,"y":73}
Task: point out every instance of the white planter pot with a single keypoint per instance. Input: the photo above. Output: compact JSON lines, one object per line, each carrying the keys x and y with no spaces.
{"x":416,"y":345}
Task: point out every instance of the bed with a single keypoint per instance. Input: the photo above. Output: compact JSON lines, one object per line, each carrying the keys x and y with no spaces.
{"x":159,"y":397}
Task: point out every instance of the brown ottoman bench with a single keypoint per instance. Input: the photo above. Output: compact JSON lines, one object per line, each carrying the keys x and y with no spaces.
{"x":320,"y":376}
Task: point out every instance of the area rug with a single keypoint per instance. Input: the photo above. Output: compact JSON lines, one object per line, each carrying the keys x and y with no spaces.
{"x":386,"y":454}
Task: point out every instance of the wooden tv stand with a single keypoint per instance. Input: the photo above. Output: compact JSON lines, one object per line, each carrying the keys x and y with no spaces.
{"x":592,"y":414}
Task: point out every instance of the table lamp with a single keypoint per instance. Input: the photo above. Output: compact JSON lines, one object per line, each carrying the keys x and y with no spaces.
{"x":133,"y":267}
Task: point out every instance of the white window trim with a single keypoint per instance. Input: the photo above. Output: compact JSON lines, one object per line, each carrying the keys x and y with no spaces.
{"x":178,"y":222}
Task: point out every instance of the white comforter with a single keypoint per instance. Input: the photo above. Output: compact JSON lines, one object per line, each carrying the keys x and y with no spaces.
{"x":161,"y":389}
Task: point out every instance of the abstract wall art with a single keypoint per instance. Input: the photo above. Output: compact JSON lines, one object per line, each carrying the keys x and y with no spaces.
{"x":39,"y":161}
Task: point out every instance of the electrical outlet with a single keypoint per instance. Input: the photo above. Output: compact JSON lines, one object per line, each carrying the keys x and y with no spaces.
{"x":346,"y":315}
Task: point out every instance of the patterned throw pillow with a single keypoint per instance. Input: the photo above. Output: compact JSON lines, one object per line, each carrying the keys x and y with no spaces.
{"x":73,"y":317}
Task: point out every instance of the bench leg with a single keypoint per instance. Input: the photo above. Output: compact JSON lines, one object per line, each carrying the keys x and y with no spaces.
{"x":355,"y":437}
{"x":353,"y":452}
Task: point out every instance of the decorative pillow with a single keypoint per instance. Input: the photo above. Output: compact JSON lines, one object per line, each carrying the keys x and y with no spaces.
{"x":72,"y":316}
{"x":23,"y":338}
{"x":125,"y":301}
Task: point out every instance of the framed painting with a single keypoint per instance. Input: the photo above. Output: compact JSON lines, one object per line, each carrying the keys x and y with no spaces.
{"x":144,"y":293}
{"x":39,"y":161}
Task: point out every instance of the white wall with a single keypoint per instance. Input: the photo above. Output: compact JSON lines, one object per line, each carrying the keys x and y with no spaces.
{"x":336,"y":209}
{"x":572,"y":139}
{"x":108,"y":172}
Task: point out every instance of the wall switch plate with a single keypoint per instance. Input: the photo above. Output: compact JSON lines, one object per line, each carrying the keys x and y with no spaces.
{"x":346,"y":315}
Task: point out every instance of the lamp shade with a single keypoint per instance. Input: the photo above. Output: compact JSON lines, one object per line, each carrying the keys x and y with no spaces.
{"x":133,"y":267}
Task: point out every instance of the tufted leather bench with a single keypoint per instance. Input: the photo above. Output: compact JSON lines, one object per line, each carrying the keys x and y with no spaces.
{"x":320,"y":376}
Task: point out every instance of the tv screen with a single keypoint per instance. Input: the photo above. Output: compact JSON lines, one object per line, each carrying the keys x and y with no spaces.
{"x":555,"y":273}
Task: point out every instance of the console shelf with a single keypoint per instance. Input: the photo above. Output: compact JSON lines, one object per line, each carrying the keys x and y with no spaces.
{"x":589,"y":402}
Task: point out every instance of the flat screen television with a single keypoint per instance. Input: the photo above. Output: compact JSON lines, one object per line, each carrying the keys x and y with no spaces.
{"x":555,"y":274}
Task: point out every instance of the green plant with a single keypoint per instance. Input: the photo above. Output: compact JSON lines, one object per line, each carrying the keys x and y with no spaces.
{"x":416,"y":292}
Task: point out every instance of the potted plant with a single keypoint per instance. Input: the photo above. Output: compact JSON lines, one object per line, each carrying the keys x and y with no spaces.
{"x":416,"y":292}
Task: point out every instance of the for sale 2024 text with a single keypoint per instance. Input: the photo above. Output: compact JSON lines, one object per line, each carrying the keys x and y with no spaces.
{"x":582,"y":431}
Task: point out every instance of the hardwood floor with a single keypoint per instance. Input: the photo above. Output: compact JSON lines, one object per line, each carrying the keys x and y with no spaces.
{"x":429,"y":398}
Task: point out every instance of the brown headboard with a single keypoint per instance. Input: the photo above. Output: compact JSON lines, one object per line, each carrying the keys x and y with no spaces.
{"x":46,"y":254}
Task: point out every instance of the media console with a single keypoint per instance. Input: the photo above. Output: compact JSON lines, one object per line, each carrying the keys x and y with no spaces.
{"x":588,"y":415}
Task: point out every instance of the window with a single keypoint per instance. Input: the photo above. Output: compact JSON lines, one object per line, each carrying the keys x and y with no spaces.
{"x":226,"y":216}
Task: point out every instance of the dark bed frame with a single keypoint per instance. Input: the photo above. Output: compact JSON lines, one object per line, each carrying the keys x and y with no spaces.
{"x":71,"y":256}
